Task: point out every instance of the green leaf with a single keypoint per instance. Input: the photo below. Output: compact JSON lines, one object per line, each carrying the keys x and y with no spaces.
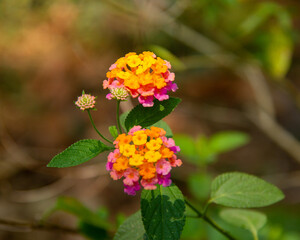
{"x":78,"y":153}
{"x":123,"y":118}
{"x":162,"y":124}
{"x":132,"y":228}
{"x":227,"y":141}
{"x":279,"y":52}
{"x":74,"y":207}
{"x":147,"y":116}
{"x":242,"y":190}
{"x":120,"y":218}
{"x":199,"y":185}
{"x":92,"y":232}
{"x":163,"y":212}
{"x":248,"y":219}
{"x":113,"y":131}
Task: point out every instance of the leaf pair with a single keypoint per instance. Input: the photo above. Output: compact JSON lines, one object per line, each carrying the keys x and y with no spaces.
{"x":240,"y":190}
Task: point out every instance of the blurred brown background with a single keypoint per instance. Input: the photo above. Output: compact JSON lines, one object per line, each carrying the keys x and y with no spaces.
{"x":237,"y":66}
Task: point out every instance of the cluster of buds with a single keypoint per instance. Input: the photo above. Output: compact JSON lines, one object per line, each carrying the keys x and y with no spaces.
{"x":143,"y":156}
{"x":118,"y":93}
{"x":85,"y":101}
{"x":144,"y":76}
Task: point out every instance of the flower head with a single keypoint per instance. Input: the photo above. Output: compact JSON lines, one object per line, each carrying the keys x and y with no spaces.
{"x":143,"y":156}
{"x":85,"y":101}
{"x":143,"y":75}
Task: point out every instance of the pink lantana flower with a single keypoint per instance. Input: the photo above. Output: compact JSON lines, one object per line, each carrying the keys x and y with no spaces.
{"x":164,"y":180}
{"x":149,"y":184}
{"x":131,"y":190}
{"x":163,"y":167}
{"x":131,"y":176}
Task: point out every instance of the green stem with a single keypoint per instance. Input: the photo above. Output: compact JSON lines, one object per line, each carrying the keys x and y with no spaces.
{"x":92,"y":121}
{"x":205,"y":207}
{"x":199,"y":214}
{"x":118,"y":117}
{"x":209,"y":221}
{"x":217,"y":227}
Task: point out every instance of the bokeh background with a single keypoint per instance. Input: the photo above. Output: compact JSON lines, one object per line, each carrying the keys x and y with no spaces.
{"x":237,"y":65}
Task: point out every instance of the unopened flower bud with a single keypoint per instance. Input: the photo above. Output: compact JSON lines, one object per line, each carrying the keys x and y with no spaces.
{"x":119,"y":93}
{"x":85,"y":101}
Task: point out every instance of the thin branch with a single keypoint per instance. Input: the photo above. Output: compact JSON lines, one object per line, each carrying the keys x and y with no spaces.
{"x":209,"y":220}
{"x":118,"y":117}
{"x":274,"y":131}
{"x":94,"y":126}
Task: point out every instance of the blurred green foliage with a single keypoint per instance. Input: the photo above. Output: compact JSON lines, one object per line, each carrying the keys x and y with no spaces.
{"x":253,"y":30}
{"x":204,"y":150}
{"x":93,"y":225}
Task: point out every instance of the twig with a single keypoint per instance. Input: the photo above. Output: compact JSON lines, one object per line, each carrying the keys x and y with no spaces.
{"x":274,"y":131}
{"x":30,"y":226}
{"x":209,"y":221}
{"x":94,"y":126}
{"x":118,"y":117}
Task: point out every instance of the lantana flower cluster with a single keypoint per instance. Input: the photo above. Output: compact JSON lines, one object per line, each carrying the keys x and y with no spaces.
{"x":143,"y":157}
{"x":144,"y":76}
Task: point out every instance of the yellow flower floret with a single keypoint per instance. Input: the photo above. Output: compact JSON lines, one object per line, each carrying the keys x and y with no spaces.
{"x":139,"y":138}
{"x":136,"y":160}
{"x":145,"y":79}
{"x":121,"y":62}
{"x":154,"y":144}
{"x":123,"y":75}
{"x":127,"y":150}
{"x":132,"y":82}
{"x":152,"y":156}
{"x":159,"y":82}
{"x":133,"y":61}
